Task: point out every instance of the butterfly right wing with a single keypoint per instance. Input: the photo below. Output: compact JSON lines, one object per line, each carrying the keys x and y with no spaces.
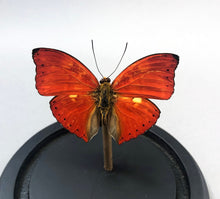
{"x":149,"y":77}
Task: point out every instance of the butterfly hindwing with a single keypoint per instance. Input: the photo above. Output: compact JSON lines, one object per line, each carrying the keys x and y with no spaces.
{"x":59,"y":73}
{"x":77,"y":113}
{"x":132,"y":116}
{"x":150,"y":77}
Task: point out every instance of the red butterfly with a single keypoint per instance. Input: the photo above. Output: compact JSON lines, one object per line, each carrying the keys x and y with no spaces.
{"x":81,"y":103}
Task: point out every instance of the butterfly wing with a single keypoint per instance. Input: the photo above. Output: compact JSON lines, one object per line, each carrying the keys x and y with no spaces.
{"x":149,"y":77}
{"x":132,"y":117}
{"x":77,"y":113}
{"x":61,"y":75}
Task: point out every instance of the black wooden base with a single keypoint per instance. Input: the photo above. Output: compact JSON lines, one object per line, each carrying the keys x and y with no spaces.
{"x":55,"y":164}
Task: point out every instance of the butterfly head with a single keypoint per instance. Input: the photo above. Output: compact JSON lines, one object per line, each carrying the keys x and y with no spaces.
{"x":105,"y":79}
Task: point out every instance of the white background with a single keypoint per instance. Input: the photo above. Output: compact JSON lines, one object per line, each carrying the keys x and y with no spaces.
{"x":190,"y":29}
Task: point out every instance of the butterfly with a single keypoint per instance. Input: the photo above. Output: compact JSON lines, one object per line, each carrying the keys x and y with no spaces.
{"x":81,"y":103}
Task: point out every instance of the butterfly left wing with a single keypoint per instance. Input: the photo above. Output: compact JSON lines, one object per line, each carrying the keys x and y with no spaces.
{"x":63,"y":76}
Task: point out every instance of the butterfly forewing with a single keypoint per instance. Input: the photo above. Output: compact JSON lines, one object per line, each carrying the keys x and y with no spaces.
{"x":60,"y":74}
{"x":149,"y":77}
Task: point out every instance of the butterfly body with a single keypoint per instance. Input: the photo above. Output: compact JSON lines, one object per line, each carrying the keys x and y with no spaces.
{"x":81,"y":104}
{"x":104,"y":99}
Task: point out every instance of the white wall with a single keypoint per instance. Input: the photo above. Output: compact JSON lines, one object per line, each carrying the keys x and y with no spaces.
{"x":188,"y":28}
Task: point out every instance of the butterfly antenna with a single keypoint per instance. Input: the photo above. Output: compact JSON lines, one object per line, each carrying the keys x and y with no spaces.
{"x":96,"y":60}
{"x":120,"y":59}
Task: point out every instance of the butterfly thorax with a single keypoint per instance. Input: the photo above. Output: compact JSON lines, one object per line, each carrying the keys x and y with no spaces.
{"x":104,"y":97}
